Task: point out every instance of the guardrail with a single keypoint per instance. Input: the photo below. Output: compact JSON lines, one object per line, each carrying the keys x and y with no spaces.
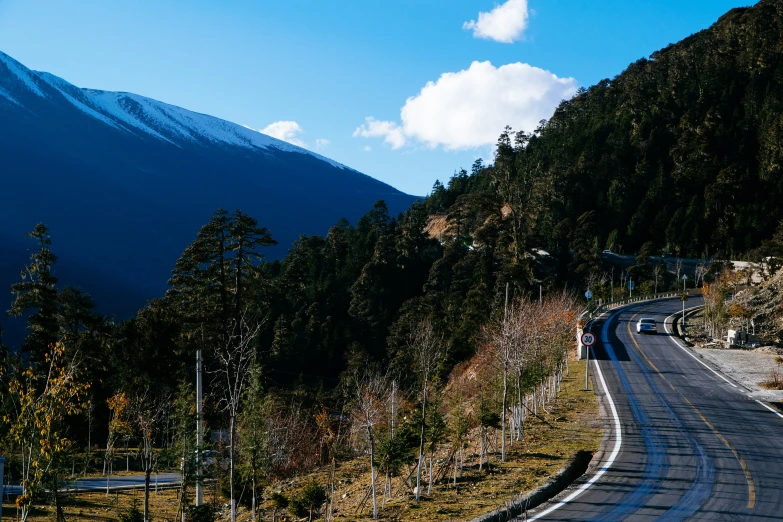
{"x":586,"y":316}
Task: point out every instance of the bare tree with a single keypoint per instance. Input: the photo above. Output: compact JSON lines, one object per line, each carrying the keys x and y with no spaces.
{"x":234,"y":358}
{"x":146,"y":413}
{"x":698,"y":275}
{"x":119,"y":426}
{"x":678,"y":267}
{"x":372,"y":392}
{"x":427,"y":348}
{"x":502,"y":338}
{"x":657,"y":271}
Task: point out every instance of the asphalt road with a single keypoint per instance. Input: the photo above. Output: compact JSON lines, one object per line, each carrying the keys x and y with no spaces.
{"x":693,"y":445}
{"x":121,"y":482}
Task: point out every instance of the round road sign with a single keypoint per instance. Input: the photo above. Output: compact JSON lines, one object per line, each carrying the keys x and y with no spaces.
{"x":588,"y":338}
{"x":589,"y":294}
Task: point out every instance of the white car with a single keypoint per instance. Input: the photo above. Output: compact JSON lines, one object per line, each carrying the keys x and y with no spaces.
{"x":646,"y":325}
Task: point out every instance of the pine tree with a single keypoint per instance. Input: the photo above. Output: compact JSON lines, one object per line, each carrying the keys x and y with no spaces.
{"x":210,"y":281}
{"x":36,"y":295}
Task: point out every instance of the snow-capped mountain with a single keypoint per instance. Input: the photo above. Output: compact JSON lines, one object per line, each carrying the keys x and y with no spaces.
{"x":124,"y":182}
{"x":135,"y":114}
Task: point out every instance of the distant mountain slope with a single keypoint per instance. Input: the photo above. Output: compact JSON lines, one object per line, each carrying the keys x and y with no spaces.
{"x":124,"y":182}
{"x":684,"y":149}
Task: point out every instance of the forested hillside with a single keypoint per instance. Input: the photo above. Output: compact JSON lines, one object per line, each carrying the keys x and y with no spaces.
{"x":682,"y":149}
{"x":680,"y":153}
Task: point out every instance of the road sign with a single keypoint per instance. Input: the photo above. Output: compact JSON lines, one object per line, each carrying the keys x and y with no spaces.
{"x":630,"y":284}
{"x":588,"y":338}
{"x":684,"y":297}
{"x":589,"y":294}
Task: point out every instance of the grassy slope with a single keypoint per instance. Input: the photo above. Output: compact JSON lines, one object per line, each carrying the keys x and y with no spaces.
{"x":571,"y":425}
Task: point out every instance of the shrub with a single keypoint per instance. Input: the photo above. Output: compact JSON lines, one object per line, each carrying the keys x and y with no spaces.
{"x":132,"y":513}
{"x":205,"y":513}
{"x":309,"y":501}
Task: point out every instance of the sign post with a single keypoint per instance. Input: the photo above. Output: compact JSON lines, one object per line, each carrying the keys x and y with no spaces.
{"x":588,"y":296}
{"x":630,"y":288}
{"x":588,"y":340}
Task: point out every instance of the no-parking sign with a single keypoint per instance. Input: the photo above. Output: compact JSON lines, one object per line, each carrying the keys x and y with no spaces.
{"x":588,"y":338}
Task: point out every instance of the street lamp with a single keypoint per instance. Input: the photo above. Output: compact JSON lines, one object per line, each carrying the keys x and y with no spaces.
{"x":684,"y":293}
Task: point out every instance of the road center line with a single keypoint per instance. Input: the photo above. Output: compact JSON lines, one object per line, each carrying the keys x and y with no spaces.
{"x":618,"y":432}
{"x":742,"y":463}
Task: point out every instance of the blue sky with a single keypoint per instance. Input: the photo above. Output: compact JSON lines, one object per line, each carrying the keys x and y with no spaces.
{"x":437,"y":79}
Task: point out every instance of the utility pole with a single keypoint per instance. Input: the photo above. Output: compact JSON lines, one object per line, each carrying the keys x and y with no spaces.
{"x":199,"y":422}
{"x":2,"y":484}
{"x":684,"y":278}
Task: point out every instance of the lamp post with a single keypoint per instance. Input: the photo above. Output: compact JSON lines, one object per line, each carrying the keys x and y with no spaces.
{"x":684,"y":278}
{"x":199,"y":427}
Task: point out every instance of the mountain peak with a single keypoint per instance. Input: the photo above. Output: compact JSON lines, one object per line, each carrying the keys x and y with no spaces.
{"x":124,"y":183}
{"x":138,"y":115}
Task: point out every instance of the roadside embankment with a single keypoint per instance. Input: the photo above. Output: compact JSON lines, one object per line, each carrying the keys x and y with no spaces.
{"x":750,"y":368}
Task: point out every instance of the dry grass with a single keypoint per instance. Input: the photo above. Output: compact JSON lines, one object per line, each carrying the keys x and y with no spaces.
{"x":97,"y":506}
{"x":571,"y":425}
{"x":775,"y":378}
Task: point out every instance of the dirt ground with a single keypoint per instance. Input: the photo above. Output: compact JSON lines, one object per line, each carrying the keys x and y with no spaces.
{"x":572,"y":424}
{"x":749,"y":367}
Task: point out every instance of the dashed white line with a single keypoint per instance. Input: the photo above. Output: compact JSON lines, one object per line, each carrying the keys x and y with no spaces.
{"x":678,"y":345}
{"x":617,"y":431}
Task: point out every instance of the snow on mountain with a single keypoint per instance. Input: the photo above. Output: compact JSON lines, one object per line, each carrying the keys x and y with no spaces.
{"x":125,"y":182}
{"x":137,"y":114}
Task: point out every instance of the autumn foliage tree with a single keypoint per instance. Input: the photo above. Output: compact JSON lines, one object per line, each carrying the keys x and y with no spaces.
{"x":43,"y":395}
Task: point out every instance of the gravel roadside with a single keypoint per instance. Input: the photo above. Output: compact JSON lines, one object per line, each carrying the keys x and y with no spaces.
{"x":747,"y":367}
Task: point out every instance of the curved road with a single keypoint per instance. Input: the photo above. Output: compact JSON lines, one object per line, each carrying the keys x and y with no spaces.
{"x":115,"y":483}
{"x":693,"y":445}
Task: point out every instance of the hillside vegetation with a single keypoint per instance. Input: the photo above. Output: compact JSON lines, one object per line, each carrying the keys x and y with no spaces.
{"x":682,"y":149}
{"x":345,"y":347}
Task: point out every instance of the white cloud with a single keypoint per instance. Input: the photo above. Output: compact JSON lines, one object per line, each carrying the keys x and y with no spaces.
{"x":388,"y":130}
{"x":286,"y":131}
{"x":505,"y":23}
{"x":470,"y":108}
{"x":322,"y":143}
{"x":367,"y":148}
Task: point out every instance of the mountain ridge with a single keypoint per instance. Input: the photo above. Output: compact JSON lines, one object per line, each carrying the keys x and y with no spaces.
{"x":123,"y":202}
{"x":116,"y":109}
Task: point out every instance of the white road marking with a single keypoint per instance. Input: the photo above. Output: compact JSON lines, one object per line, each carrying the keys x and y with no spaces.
{"x":678,"y":345}
{"x":617,"y":431}
{"x":770,"y":409}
